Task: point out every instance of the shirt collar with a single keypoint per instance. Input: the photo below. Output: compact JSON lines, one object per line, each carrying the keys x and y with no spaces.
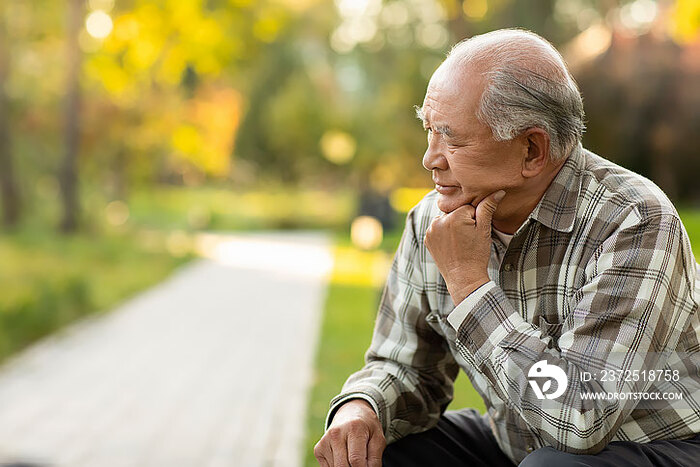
{"x":557,"y":208}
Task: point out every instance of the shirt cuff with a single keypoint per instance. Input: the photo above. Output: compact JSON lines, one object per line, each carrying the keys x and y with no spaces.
{"x":335,"y":405}
{"x":457,"y":315}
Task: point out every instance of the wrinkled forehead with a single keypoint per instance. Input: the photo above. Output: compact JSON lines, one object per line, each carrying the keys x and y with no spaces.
{"x":456,"y":85}
{"x":453,"y":75}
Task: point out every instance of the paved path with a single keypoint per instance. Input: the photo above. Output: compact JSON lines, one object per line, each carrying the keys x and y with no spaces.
{"x":210,"y":368}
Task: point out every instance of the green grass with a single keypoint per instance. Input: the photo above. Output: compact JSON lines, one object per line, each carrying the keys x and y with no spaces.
{"x":691,"y":221}
{"x":209,"y":207}
{"x":347,"y":332}
{"x":224,"y":209}
{"x":48,"y":280}
{"x":347,"y":328}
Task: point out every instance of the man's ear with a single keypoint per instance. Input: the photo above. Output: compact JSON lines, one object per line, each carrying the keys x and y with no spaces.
{"x":537,"y":145}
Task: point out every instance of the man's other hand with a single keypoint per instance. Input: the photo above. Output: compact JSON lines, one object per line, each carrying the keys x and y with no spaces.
{"x":354,"y":438}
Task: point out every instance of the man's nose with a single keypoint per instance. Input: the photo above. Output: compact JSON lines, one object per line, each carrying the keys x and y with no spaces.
{"x":434,"y":157}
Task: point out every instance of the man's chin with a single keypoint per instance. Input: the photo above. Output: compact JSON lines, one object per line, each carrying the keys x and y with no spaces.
{"x":447,"y":204}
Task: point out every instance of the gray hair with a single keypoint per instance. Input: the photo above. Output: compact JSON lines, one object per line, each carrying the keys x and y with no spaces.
{"x":527,"y":85}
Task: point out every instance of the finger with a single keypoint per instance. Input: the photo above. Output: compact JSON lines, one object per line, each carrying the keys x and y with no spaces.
{"x":357,"y":450}
{"x":486,"y":208}
{"x":466,"y":210}
{"x":375,"y":450}
{"x":323,"y":453}
{"x":340,"y":453}
{"x":465,"y":214}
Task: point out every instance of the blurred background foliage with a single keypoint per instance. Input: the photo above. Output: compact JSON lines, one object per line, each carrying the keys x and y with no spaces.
{"x":102,"y":100}
{"x":244,"y":94}
{"x":128,"y":126}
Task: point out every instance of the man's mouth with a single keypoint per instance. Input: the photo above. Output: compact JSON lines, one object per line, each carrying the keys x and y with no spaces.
{"x":445,"y":189}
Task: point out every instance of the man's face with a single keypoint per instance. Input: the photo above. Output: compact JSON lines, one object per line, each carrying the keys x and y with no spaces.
{"x":467,"y":164}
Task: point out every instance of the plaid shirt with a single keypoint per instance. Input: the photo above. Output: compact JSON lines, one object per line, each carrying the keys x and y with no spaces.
{"x":601,"y":275}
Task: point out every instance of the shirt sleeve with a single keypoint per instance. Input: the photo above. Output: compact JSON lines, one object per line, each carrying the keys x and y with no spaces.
{"x":409,"y":372}
{"x":629,"y":314}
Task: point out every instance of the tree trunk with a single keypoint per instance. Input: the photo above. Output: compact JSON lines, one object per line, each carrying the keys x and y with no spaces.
{"x":68,"y":176}
{"x":9,"y":192}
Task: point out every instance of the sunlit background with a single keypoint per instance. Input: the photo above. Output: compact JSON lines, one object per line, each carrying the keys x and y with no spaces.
{"x":139,"y":135}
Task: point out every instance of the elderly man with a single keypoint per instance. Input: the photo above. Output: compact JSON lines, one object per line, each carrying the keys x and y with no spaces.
{"x":561,"y":283}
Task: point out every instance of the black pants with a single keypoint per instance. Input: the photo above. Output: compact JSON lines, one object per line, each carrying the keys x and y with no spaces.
{"x":463,"y":438}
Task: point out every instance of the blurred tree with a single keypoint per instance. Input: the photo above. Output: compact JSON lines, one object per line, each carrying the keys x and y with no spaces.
{"x":307,"y":98}
{"x":313,"y":92}
{"x":8,"y":185}
{"x":69,"y":172}
{"x":274,"y":68}
{"x":363,"y":82}
{"x":169,"y":77}
{"x":646,"y":116}
{"x":685,"y":21}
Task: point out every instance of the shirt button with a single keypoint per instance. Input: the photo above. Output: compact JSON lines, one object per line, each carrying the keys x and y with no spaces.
{"x":529,"y":449}
{"x":508,"y":267}
{"x":432,"y":318}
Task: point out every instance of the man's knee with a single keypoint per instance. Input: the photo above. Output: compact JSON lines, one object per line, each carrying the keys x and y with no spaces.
{"x":405,"y":453}
{"x":548,"y":456}
{"x":392,"y":456}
